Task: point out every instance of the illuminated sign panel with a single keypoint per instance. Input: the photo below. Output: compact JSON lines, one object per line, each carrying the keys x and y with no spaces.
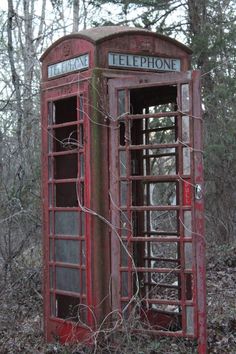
{"x":143,"y":62}
{"x":67,"y":66}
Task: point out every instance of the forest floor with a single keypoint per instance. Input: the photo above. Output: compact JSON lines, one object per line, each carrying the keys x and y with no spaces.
{"x":21,"y":314}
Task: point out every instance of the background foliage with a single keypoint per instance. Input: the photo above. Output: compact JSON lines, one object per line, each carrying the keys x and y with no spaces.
{"x":28,"y":27}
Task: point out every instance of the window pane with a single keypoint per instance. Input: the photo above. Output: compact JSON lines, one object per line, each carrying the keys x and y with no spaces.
{"x":81,"y":165}
{"x":186,"y":161}
{"x":50,"y":222}
{"x":189,"y":320}
{"x":51,"y":250}
{"x":124,"y":254}
{"x":123,"y":163}
{"x":188,"y":255}
{"x":187,"y":223}
{"x":52,"y":305}
{"x":50,"y":195}
{"x":67,"y":279}
{"x":185,"y":129}
{"x":123,"y":193}
{"x":185,"y":97}
{"x":83,"y":253}
{"x":121,"y":102}
{"x":66,"y":223}
{"x":50,"y":168}
{"x":124,"y":284}
{"x":50,"y":140}
{"x":67,"y":251}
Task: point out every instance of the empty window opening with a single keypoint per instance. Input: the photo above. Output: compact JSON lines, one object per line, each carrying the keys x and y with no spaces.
{"x":65,"y":110}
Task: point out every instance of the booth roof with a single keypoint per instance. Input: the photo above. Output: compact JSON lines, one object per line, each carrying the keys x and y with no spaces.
{"x":100,"y":34}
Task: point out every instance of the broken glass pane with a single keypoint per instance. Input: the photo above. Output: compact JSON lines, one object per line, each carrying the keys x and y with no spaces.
{"x":123,"y":163}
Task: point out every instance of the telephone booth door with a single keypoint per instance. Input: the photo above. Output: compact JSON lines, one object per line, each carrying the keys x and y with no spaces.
{"x":156,"y":202}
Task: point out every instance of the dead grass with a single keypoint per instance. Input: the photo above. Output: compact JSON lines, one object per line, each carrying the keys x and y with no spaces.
{"x":21,"y":315}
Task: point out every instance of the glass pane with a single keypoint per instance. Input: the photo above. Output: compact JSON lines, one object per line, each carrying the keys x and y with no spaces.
{"x":123,"y":163}
{"x":164,"y":222}
{"x":50,"y":168}
{"x":51,"y":277}
{"x":51,"y":250}
{"x":50,"y":140}
{"x":121,"y":102}
{"x":190,"y":320}
{"x":185,"y":97}
{"x":50,"y":113}
{"x":66,"y":223}
{"x":185,"y":129}
{"x":50,"y":195}
{"x":124,"y":254}
{"x":188,"y":255}
{"x":124,"y":224}
{"x":160,"y":193}
{"x":82,"y":223}
{"x":81,"y":195}
{"x":51,"y":222}
{"x":81,"y":156}
{"x":52,"y":305}
{"x":67,"y":251}
{"x":124,"y":284}
{"x":83,"y":252}
{"x":81,"y":135}
{"x":166,"y":250}
{"x":187,"y":223}
{"x":186,"y":161}
{"x":123,"y":193}
{"x":67,"y":279}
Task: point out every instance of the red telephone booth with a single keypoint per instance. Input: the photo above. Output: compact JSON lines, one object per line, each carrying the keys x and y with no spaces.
{"x":122,"y":184}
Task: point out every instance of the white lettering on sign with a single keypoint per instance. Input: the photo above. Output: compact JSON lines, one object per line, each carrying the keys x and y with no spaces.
{"x":67,"y":66}
{"x":143,"y":62}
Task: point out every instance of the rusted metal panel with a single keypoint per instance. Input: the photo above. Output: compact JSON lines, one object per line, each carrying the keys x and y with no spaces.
{"x":199,"y":234}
